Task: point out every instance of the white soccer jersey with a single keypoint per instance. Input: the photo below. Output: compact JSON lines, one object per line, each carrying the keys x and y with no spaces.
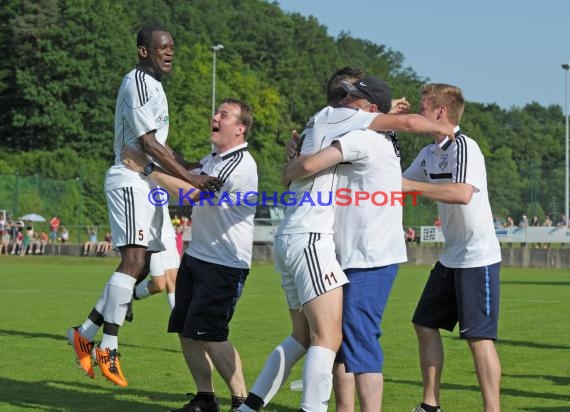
{"x":141,"y":108}
{"x":470,"y":239}
{"x":370,"y":234}
{"x":317,"y":214}
{"x":222,"y":228}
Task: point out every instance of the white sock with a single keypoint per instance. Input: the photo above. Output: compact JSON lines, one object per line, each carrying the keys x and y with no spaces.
{"x":119,"y":293}
{"x":277,"y":368}
{"x":109,"y":341}
{"x":244,"y":408}
{"x":141,"y":290}
{"x":170,"y":297}
{"x":317,"y":379}
{"x":88,"y":330}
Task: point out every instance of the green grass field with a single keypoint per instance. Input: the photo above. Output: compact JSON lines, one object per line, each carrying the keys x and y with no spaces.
{"x":41,"y":297}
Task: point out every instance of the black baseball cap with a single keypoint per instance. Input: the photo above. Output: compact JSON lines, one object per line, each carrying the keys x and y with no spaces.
{"x":372,"y":89}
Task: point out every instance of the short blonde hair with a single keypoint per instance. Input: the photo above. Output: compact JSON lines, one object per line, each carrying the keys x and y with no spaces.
{"x":446,"y":95}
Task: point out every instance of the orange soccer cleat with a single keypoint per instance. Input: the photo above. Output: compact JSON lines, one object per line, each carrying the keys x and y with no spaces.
{"x":108,"y":361}
{"x":83,"y":350}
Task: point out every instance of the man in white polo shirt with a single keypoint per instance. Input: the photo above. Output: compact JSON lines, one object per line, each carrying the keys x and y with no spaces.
{"x":215,"y":266}
{"x":464,"y":284}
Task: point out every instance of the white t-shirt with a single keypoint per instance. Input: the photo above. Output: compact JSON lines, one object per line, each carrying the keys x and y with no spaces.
{"x":141,"y":107}
{"x":317,"y":214}
{"x":222,"y":232}
{"x":370,"y":235}
{"x":470,"y":239}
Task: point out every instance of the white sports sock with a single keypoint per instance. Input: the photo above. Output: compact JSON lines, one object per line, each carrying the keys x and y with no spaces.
{"x":141,"y":290}
{"x":244,"y":408}
{"x":170,"y":297}
{"x":119,"y":293}
{"x":277,"y":368}
{"x":88,"y":330}
{"x":109,"y":341}
{"x":317,"y":379}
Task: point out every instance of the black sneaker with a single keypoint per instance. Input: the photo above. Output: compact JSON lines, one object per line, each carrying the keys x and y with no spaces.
{"x":419,"y":408}
{"x":200,"y":403}
{"x":129,"y":316}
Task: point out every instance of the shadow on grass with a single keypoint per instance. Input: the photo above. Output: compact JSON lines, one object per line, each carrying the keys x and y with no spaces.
{"x":62,"y":338}
{"x":556,"y":380}
{"x":73,"y":396}
{"x":504,"y":391}
{"x":61,"y":395}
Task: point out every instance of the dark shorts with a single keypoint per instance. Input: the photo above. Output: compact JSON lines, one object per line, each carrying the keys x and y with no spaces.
{"x":469,"y":296}
{"x":206,"y":297}
{"x":364,"y":301}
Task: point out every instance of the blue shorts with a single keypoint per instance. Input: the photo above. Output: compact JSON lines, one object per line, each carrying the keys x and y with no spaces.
{"x":469,"y":296}
{"x":364,"y":301}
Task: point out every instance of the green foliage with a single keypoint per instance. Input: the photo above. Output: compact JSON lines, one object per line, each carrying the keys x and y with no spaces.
{"x":63,"y":63}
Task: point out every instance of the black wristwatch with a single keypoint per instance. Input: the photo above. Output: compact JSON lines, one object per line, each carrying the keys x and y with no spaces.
{"x":148,"y":169}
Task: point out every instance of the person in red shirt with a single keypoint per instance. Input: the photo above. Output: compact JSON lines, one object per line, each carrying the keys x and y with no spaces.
{"x":53,"y":228}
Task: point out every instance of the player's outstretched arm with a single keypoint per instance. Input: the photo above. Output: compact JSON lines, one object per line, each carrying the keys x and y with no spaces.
{"x":453,"y":193}
{"x":413,"y":123}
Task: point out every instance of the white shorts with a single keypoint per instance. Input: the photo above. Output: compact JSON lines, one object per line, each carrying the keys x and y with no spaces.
{"x":167,"y":259}
{"x":308,"y":266}
{"x":133,"y":219}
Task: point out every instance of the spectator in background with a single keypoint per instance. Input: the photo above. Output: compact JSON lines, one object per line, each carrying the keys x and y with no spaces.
{"x":91,"y":244}
{"x":18,"y":241}
{"x":5,"y":241}
{"x":53,"y":228}
{"x":13,"y":229}
{"x":410,"y":235}
{"x":42,"y":241}
{"x":535,"y":222}
{"x":27,"y":240}
{"x":437,"y":222}
{"x":64,"y":235}
{"x":509,"y":222}
{"x":3,"y":223}
{"x":105,"y":246}
{"x":547,"y":221}
{"x":180,"y":239}
{"x":175,"y":220}
{"x":562,"y":222}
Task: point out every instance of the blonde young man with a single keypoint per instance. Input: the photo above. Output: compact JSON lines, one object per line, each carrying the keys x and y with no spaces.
{"x":464,"y":284}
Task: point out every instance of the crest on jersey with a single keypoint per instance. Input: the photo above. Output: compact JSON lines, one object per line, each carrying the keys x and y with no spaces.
{"x":443,"y":162}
